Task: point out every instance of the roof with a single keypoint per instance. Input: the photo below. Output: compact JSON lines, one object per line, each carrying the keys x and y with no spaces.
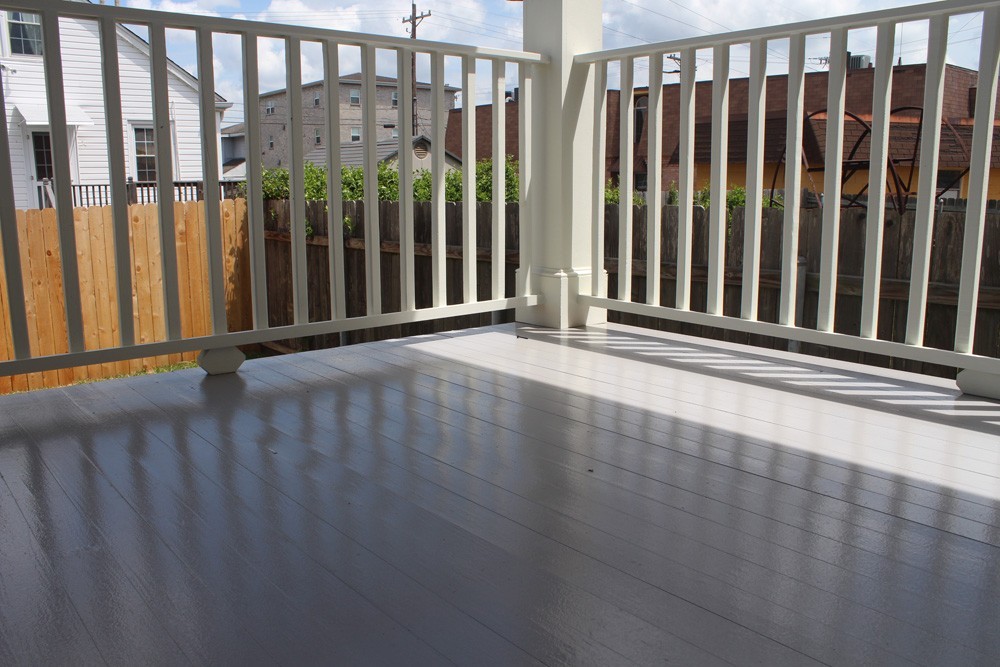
{"x":234,"y":130}
{"x":352,"y":153}
{"x":908,"y":86}
{"x":423,"y":138}
{"x":181,"y":73}
{"x":356,"y":78}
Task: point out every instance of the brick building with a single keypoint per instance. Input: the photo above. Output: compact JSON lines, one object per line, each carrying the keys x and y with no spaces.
{"x":907,"y":98}
{"x":273,"y":111}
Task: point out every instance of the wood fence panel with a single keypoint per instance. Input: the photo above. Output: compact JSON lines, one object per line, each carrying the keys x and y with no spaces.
{"x":44,"y":301}
{"x":32,"y":380}
{"x":6,"y":336}
{"x":140,"y":283}
{"x":769,"y":292}
{"x":987,"y":334}
{"x":186,"y":287}
{"x":106,"y":292}
{"x":193,"y":285}
{"x":891,"y":232}
{"x":238,"y":281}
{"x":88,"y":290}
{"x":41,"y":288}
{"x":850,"y":262}
{"x":903,"y":266}
{"x":732,"y":294}
{"x":57,"y":309}
{"x":945,"y":268}
{"x":668,"y":256}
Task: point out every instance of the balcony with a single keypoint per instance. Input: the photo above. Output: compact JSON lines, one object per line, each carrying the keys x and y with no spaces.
{"x":557,"y":490}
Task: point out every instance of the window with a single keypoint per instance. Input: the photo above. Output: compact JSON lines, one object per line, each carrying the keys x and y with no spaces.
{"x":269,"y":108}
{"x":641,"y":108}
{"x":319,"y":139}
{"x":395,"y":99}
{"x":41,"y":144}
{"x":270,"y":141}
{"x":355,"y":97}
{"x":316,"y":100}
{"x":395,"y":133}
{"x":145,"y":155}
{"x":355,"y":134}
{"x":25,"y":33}
{"x":949,"y":184}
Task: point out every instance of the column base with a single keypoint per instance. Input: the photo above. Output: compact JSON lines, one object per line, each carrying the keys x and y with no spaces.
{"x":221,"y":360}
{"x":559,"y":308}
{"x":977,"y":383}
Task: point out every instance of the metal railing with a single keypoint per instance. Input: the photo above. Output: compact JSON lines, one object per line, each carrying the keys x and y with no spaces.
{"x":763,"y":44}
{"x":108,"y":21}
{"x":99,"y":194}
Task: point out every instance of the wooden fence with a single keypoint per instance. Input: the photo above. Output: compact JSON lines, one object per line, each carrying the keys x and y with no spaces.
{"x":41,"y":267}
{"x":897,"y":252}
{"x":945,"y":269}
{"x":41,"y":270}
{"x":279,"y":269}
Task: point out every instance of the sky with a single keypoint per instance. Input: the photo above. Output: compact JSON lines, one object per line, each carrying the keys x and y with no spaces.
{"x":497,"y":23}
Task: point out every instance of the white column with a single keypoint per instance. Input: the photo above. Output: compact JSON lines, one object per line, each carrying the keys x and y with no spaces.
{"x":560,"y":198}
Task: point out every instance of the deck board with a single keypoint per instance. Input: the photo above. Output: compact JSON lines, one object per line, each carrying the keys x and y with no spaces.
{"x":609,"y":496}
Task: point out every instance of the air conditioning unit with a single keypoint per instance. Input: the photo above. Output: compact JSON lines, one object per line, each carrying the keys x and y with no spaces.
{"x":859,"y":62}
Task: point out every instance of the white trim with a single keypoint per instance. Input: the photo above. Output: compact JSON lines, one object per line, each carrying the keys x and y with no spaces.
{"x":133,"y":166}
{"x":38,"y":114}
{"x":817,"y":26}
{"x":274,"y":30}
{"x":29,"y":157}
{"x":5,"y":45}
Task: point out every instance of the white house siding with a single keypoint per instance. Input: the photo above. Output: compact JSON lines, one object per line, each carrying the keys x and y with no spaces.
{"x":24,"y":83}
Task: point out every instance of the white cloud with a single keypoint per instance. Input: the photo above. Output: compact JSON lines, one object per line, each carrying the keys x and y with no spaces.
{"x":497,"y":23}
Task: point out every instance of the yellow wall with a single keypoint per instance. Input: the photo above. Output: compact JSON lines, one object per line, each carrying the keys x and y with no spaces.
{"x":736,"y":175}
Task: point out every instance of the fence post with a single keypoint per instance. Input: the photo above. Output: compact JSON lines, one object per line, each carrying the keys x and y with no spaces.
{"x":130,"y":191}
{"x":559,"y":195}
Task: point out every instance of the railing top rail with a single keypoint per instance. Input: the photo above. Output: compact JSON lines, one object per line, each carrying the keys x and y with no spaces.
{"x":849,"y":21}
{"x":261,"y":29}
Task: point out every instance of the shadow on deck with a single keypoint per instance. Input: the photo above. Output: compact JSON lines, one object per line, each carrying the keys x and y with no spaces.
{"x":585,"y":497}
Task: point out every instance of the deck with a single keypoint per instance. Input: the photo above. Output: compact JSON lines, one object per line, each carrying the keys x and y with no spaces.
{"x":607,"y":496}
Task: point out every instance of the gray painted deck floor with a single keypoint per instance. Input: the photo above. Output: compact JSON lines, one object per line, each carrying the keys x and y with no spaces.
{"x":603,"y":497}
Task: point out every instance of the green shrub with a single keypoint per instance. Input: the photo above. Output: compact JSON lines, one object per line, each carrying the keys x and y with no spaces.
{"x":613,"y":195}
{"x":352,"y":183}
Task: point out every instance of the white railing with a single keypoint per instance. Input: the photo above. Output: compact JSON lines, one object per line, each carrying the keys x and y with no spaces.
{"x":108,"y":21}
{"x":563,"y":99}
{"x":761,"y":43}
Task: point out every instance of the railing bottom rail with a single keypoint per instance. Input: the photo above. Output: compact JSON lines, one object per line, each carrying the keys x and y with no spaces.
{"x":107,"y":355}
{"x":785,"y":332}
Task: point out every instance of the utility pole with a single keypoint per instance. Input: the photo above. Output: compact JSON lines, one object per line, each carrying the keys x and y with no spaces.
{"x":414,"y":20}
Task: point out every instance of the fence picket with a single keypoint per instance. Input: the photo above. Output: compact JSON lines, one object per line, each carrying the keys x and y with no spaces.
{"x":6,"y":342}
{"x":88,"y":306}
{"x":28,"y":228}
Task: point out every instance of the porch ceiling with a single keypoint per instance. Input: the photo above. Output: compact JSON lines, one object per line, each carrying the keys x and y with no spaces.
{"x":589,"y":497}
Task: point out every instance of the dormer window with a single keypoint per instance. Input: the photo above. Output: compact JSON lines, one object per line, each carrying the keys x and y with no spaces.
{"x":25,"y":31}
